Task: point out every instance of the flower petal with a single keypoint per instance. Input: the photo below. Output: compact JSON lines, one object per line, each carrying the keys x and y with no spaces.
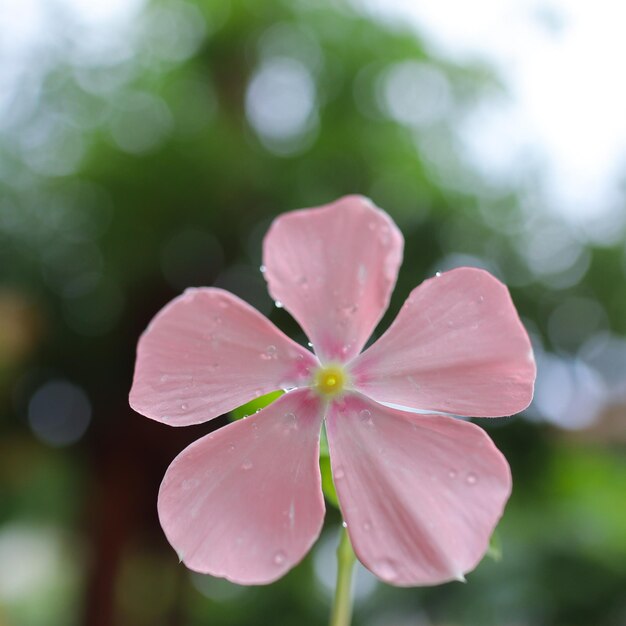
{"x":457,"y":346}
{"x":245,"y":502}
{"x":208,"y":352}
{"x":421,"y":494}
{"x":334,"y":268}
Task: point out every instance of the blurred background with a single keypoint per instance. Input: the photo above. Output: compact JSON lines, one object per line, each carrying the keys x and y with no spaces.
{"x":145,"y":146}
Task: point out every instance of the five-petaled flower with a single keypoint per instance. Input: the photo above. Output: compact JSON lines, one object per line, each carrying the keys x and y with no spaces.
{"x":421,"y":492}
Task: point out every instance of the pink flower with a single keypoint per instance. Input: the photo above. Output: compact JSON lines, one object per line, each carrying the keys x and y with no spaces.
{"x":420,"y":493}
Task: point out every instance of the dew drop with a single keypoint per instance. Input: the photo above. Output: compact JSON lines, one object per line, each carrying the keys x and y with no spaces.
{"x":309,"y":344}
{"x":181,"y":555}
{"x":372,"y":225}
{"x":183,"y":407}
{"x":367,"y":526}
{"x":386,"y":569}
{"x":344,"y":524}
{"x":365,"y":416}
{"x":362,"y":274}
{"x":338,"y":474}
{"x":247,"y":465}
{"x":292,"y":422}
{"x":437,"y":274}
{"x":271,"y":352}
{"x":231,"y":447}
{"x":411,"y":380}
{"x":471,"y":478}
{"x":348,"y":311}
{"x":384,"y":234}
{"x":279,"y":557}
{"x":263,"y":269}
{"x":452,"y":473}
{"x":481,"y":299}
{"x":165,"y":378}
{"x":278,"y":304}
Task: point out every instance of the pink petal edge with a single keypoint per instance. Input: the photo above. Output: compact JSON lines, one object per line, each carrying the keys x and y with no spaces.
{"x":456,"y":346}
{"x":245,"y":502}
{"x":421,"y":494}
{"x":334,"y":268}
{"x":207,"y":352}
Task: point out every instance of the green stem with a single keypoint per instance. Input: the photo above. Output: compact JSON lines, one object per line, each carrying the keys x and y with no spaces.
{"x":342,"y":607}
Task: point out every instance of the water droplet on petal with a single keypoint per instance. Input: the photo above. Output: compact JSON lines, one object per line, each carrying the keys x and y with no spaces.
{"x":411,"y":380}
{"x":365,"y":416}
{"x":165,"y":378}
{"x":386,"y":569}
{"x":263,"y":269}
{"x":270,"y":353}
{"x":247,"y":465}
{"x":481,"y":299}
{"x":367,"y":526}
{"x":183,"y":406}
{"x":278,"y":304}
{"x":344,"y":524}
{"x":452,"y":473}
{"x":362,"y":274}
{"x":279,"y":557}
{"x":231,"y":447}
{"x":291,"y":422}
{"x":338,"y":474}
{"x":191,"y":483}
{"x":471,"y":478}
{"x":437,"y":274}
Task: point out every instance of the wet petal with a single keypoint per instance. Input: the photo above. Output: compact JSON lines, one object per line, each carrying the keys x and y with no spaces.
{"x":334,"y":268}
{"x":245,"y":502}
{"x":457,"y":346}
{"x":208,"y":352}
{"x":421,"y":494}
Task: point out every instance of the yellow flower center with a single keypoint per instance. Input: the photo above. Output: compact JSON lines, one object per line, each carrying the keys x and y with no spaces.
{"x":330,"y":380}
